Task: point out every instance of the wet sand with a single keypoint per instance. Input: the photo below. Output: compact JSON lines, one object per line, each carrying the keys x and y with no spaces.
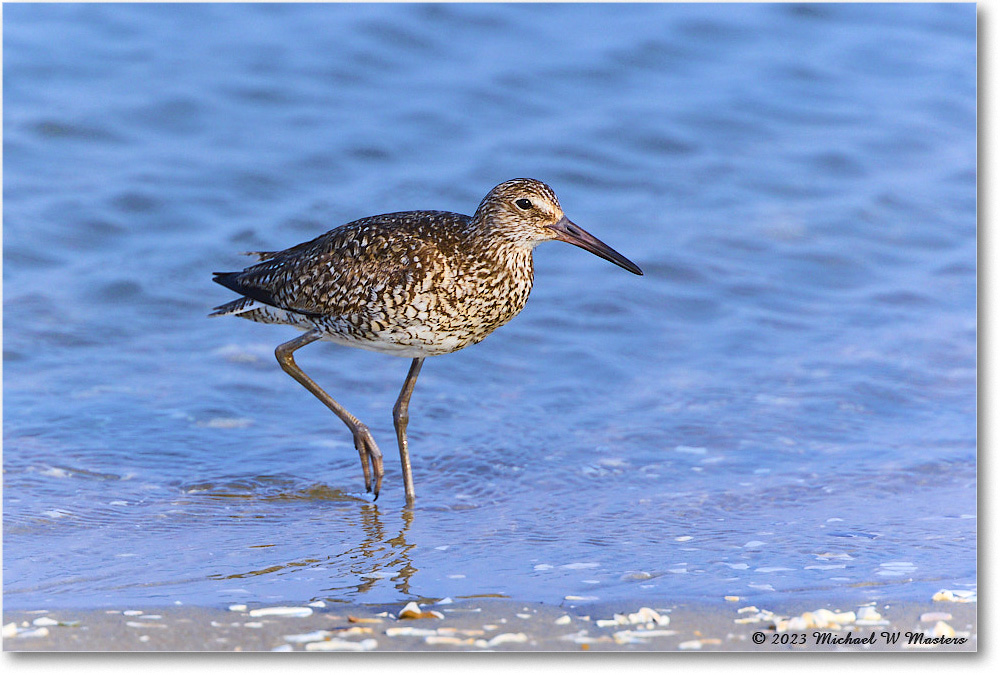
{"x":501,"y":625}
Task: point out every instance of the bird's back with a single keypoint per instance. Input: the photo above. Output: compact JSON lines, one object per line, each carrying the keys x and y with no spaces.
{"x":415,"y":283}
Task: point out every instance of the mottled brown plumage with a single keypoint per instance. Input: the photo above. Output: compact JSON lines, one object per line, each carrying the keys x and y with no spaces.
{"x":414,"y":283}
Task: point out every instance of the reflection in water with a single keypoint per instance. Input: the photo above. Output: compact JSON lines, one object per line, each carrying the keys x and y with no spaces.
{"x":374,"y":558}
{"x":375,"y":555}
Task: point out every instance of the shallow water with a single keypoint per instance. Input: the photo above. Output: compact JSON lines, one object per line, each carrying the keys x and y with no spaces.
{"x":783,"y":406}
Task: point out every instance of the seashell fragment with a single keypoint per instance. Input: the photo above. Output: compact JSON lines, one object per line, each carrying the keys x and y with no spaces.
{"x":501,"y":639}
{"x":336,"y":644}
{"x":640,"y":636}
{"x":843,"y":618}
{"x":412,"y":611}
{"x":37,"y":632}
{"x":627,"y":637}
{"x":869,"y":616}
{"x":354,"y":630}
{"x":409,"y":631}
{"x":798,"y":623}
{"x":822,"y":618}
{"x":754,"y":615}
{"x":927,"y":617}
{"x":447,"y":640}
{"x":314,"y":636}
{"x":507,"y":637}
{"x":954,"y":596}
{"x":449,"y":630}
{"x":647,"y":615}
{"x":281,"y":611}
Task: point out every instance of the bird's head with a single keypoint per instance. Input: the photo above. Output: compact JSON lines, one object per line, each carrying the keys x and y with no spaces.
{"x":527,"y":212}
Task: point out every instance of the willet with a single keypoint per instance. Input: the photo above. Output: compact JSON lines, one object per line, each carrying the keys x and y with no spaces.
{"x":413,"y":284}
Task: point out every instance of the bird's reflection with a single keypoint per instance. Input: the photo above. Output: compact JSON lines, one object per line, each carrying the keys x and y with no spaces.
{"x":373,"y":550}
{"x":381,"y":553}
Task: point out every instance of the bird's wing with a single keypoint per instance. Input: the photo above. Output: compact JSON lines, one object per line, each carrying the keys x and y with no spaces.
{"x":349,"y":269}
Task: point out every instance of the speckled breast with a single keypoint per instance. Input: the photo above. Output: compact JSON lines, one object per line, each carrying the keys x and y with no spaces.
{"x":440,"y":305}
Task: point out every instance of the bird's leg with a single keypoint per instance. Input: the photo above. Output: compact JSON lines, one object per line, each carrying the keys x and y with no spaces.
{"x":363,"y":440}
{"x":400,"y":417}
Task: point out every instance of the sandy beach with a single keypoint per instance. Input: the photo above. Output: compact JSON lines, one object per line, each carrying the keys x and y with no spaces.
{"x":501,"y":625}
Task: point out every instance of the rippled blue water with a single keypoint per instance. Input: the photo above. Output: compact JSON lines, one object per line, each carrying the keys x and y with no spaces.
{"x":783,"y":406}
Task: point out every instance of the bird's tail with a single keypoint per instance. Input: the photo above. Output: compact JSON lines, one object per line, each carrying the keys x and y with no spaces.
{"x":235,"y":307}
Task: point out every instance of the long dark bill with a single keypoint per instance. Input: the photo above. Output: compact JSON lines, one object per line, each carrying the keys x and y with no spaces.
{"x":567,"y":231}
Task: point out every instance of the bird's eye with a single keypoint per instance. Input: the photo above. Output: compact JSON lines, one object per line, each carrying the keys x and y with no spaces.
{"x":523,"y":204}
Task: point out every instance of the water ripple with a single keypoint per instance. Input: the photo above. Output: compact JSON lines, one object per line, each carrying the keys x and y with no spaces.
{"x":786,"y":398}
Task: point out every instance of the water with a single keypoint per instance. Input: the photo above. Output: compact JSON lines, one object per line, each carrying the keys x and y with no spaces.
{"x":783,"y":407}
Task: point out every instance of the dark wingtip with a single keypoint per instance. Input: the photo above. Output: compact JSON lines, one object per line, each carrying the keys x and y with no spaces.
{"x":227,"y":279}
{"x":236,"y":281}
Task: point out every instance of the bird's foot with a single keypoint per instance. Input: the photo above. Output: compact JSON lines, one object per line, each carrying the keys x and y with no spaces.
{"x":371,"y":459}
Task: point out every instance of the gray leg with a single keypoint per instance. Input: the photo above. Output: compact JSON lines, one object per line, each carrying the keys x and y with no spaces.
{"x":363,"y":440}
{"x":400,"y":417}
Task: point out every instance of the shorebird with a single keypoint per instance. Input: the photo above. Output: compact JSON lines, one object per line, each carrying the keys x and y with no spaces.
{"x":412,"y":284}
